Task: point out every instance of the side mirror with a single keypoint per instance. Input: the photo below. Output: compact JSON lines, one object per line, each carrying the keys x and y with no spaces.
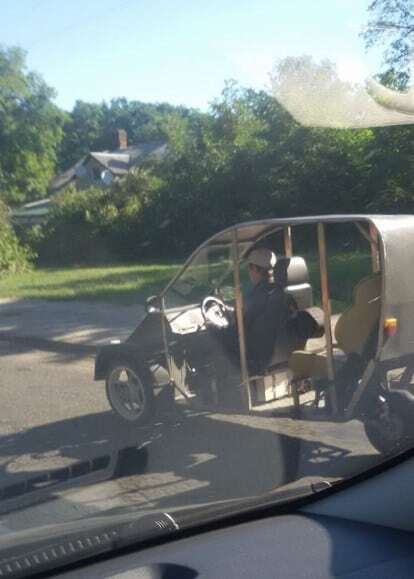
{"x":153,"y":304}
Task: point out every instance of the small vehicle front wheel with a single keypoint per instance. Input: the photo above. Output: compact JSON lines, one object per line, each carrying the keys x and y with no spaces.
{"x":386,"y":435}
{"x":130,"y":392}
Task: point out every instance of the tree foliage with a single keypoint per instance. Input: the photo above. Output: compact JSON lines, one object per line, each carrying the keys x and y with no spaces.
{"x":246,"y":159}
{"x":31,"y":128}
{"x":103,"y":224}
{"x":14,"y":257}
{"x":92,"y":126}
{"x":391,"y":24}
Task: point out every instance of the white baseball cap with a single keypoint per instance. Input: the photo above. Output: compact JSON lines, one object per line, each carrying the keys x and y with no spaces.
{"x":262,"y":257}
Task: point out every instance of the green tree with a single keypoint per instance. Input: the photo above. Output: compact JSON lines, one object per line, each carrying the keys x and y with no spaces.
{"x":30,"y":130}
{"x":391,"y":24}
{"x":82,"y":133}
{"x":92,"y":126}
{"x":104,"y":224}
{"x":14,"y":257}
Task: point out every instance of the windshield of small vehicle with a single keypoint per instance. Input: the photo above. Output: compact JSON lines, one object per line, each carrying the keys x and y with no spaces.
{"x":155,"y":154}
{"x":203,"y":276}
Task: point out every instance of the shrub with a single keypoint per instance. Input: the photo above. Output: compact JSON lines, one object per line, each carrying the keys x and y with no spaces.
{"x":14,"y":257}
{"x":96,"y":225}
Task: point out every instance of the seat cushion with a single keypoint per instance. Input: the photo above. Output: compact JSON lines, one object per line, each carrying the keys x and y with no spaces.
{"x":355,"y":325}
{"x":305,"y":364}
{"x":352,"y":331}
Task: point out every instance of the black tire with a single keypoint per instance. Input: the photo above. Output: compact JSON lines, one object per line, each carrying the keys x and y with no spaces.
{"x":130,"y":392}
{"x":386,"y":436}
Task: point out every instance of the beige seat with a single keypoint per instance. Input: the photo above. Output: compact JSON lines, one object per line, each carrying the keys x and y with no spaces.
{"x":352,"y":331}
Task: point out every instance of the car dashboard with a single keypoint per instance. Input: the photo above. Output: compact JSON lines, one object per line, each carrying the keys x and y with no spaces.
{"x":187,"y":321}
{"x":365,"y":530}
{"x":289,"y":547}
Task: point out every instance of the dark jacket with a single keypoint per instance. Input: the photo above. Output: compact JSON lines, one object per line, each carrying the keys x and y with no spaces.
{"x":266,"y":316}
{"x":272,"y":325}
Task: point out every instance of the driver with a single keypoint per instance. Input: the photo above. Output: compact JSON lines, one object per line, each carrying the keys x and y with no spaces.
{"x":265,"y":310}
{"x":260,"y":263}
{"x":271,"y":317}
{"x":265,"y":313}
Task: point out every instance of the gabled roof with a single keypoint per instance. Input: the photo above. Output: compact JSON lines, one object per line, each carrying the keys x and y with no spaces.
{"x":156,"y":150}
{"x":63,"y":180}
{"x":35,"y":209}
{"x":118,"y":162}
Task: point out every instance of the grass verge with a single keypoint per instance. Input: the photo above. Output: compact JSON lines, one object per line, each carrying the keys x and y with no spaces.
{"x":124,"y":284}
{"x":132,"y":284}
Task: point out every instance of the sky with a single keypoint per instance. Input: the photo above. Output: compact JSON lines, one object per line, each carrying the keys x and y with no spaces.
{"x":179,"y":51}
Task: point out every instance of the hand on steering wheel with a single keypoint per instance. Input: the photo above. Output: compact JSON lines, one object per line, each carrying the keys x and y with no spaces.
{"x":214,"y":312}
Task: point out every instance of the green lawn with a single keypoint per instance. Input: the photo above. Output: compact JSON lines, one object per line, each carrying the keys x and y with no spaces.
{"x":131,"y":284}
{"x":127,"y":284}
{"x":345,"y":270}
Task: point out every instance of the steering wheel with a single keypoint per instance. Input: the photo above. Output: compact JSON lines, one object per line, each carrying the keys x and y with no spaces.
{"x":214,"y":312}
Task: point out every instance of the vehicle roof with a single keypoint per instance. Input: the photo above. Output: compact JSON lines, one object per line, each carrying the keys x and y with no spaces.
{"x":251,"y":231}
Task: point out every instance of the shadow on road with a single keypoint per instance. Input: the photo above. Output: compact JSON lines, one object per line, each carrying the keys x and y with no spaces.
{"x":217,"y":460}
{"x":198,"y":459}
{"x":61,"y":353}
{"x":43,"y":447}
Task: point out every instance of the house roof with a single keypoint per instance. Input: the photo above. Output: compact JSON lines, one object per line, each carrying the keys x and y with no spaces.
{"x":118,"y":162}
{"x":63,"y":180}
{"x":156,"y":150}
{"x":33,"y":210}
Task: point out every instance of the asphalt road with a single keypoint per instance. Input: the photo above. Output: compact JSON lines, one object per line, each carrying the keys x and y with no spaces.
{"x":52,"y":414}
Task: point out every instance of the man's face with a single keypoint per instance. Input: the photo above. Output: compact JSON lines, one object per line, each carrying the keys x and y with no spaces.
{"x":255,"y":274}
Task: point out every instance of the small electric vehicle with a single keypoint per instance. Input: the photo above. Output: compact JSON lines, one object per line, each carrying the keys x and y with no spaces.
{"x":359,"y":363}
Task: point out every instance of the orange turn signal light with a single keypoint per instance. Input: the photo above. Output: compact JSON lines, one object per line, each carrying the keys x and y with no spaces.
{"x":390,"y":326}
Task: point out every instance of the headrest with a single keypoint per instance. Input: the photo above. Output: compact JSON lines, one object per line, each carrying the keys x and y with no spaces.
{"x":290,"y":271}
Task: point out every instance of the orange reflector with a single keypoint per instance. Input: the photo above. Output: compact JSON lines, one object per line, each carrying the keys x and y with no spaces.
{"x":390,"y":326}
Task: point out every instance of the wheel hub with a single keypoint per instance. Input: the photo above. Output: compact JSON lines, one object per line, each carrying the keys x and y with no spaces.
{"x":126,"y":393}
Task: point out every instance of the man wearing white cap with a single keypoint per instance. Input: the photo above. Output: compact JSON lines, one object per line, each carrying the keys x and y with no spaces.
{"x":260,"y":263}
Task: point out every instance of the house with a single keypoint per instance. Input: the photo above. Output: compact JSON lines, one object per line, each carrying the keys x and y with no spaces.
{"x":31,"y":213}
{"x":97,"y":169}
{"x":100,"y":168}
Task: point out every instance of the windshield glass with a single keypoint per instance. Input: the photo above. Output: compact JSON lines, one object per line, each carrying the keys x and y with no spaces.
{"x":201,"y":277}
{"x":206,"y":247}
